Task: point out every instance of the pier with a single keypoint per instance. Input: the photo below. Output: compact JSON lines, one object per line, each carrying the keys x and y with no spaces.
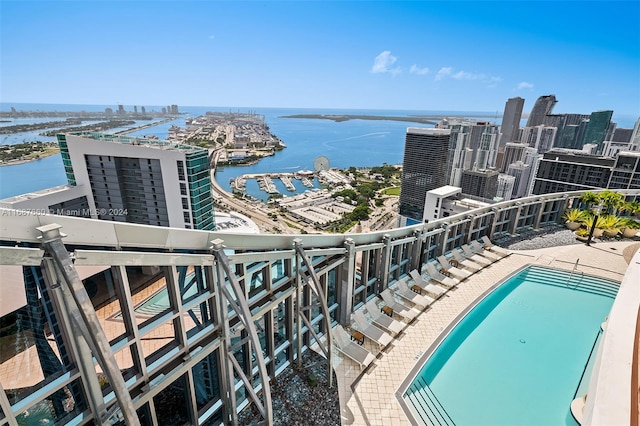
{"x":286,"y":181}
{"x":266,"y":184}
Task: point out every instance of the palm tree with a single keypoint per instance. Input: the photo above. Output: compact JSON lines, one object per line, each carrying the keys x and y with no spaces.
{"x":631,"y":207}
{"x":589,"y":198}
{"x":611,"y":200}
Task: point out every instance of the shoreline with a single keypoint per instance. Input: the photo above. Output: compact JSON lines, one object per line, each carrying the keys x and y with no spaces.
{"x":423,"y":119}
{"x":17,"y":162}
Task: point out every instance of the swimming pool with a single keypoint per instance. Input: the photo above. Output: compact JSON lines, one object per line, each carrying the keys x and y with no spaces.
{"x":518,"y":357}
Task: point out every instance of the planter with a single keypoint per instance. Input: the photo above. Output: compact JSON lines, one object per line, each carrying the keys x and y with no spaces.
{"x":597,"y":233}
{"x":610,"y":233}
{"x":629,"y":232}
{"x":572,"y":225}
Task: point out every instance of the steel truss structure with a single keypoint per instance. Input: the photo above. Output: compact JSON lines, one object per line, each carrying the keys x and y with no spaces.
{"x":178,"y":326}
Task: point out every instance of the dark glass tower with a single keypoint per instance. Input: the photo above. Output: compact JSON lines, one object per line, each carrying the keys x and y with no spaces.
{"x":424,"y":168}
{"x":543,"y":106}
{"x":597,"y":128}
{"x":511,"y":120}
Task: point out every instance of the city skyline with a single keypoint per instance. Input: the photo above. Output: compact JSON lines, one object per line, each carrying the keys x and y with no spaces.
{"x":463,"y":56}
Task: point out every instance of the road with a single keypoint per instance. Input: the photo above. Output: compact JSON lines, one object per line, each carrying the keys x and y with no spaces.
{"x":381,"y":218}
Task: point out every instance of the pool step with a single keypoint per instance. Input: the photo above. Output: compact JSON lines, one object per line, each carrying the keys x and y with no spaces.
{"x":426,"y":404}
{"x":576,"y":281}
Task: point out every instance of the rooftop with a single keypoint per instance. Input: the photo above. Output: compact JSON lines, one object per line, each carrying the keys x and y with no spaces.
{"x":129,"y":140}
{"x":369,"y":397}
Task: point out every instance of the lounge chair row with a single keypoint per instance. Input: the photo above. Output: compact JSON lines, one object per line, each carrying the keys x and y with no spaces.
{"x":380,"y":327}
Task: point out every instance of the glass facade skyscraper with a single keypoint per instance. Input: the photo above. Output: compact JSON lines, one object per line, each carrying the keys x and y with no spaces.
{"x":423,"y":168}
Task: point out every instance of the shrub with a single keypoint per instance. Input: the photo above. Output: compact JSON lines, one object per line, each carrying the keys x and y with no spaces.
{"x":575,"y":215}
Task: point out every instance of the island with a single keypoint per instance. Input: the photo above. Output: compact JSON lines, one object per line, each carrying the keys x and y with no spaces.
{"x":422,"y":119}
{"x":28,"y":151}
{"x":236,"y":138}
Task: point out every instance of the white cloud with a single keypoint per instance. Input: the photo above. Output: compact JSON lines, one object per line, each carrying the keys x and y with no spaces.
{"x":417,"y":70}
{"x":383,"y":63}
{"x":444,"y":72}
{"x":463,"y":75}
{"x":525,"y":85}
{"x":493,"y":81}
{"x":448,"y":72}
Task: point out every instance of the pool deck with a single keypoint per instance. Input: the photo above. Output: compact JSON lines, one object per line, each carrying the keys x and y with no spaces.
{"x":368,"y":398}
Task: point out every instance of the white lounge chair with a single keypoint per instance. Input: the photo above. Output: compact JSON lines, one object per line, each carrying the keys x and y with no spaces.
{"x":477,"y":247}
{"x":370,"y":331}
{"x":447,"y":267}
{"x":403,"y":310}
{"x":382,"y":320}
{"x":469,"y":264}
{"x":494,"y":248}
{"x":404,"y":292}
{"x":343,"y":343}
{"x":439,"y":277}
{"x":431,"y":289}
{"x":472,"y":255}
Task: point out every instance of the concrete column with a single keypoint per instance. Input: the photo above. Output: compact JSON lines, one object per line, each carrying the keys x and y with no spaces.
{"x":416,"y":253}
{"x":347,"y":284}
{"x":383,"y":278}
{"x":514,"y":225}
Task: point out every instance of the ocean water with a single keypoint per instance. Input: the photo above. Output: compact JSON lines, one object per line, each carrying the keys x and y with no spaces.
{"x":358,"y":143}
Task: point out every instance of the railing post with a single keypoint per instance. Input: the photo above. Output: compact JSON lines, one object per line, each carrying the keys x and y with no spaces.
{"x":348,"y":278}
{"x":81,"y":310}
{"x":514,"y":225}
{"x":541,"y":205}
{"x":240,"y":305}
{"x":445,"y":237}
{"x":383,"y":278}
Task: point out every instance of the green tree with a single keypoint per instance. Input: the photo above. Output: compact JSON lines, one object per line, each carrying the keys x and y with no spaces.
{"x":589,"y":198}
{"x":611,"y":200}
{"x":361,"y":212}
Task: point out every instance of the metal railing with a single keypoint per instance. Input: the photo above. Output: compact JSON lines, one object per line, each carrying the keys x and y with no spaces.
{"x":255,"y":304}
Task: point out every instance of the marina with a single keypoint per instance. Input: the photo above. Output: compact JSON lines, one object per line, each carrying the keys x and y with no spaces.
{"x":266,"y":183}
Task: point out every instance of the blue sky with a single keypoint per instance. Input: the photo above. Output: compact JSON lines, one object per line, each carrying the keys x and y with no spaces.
{"x":415,"y":55}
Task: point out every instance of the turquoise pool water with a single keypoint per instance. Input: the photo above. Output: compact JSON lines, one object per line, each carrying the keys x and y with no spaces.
{"x":518,"y":357}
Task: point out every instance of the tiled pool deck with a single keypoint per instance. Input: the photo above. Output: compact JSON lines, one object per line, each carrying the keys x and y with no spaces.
{"x":368,"y":398}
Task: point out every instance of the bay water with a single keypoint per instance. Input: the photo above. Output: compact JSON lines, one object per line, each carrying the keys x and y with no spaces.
{"x":358,"y":143}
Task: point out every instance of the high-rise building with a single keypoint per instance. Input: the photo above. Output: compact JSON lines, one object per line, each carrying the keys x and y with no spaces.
{"x":480,"y":183}
{"x":140,"y":180}
{"x":570,"y":127}
{"x":599,"y":124}
{"x":522,"y":174}
{"x":512,"y":152}
{"x":511,"y":120}
{"x":539,"y":137}
{"x":620,"y":141}
{"x":635,"y":137}
{"x":543,"y":106}
{"x":473,"y":144}
{"x":423,"y":168}
{"x":626,"y":171}
{"x":562,"y":170}
{"x":505,"y":186}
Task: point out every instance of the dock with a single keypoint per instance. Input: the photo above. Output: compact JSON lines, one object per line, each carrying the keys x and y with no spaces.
{"x":266,"y":184}
{"x":286,"y":180}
